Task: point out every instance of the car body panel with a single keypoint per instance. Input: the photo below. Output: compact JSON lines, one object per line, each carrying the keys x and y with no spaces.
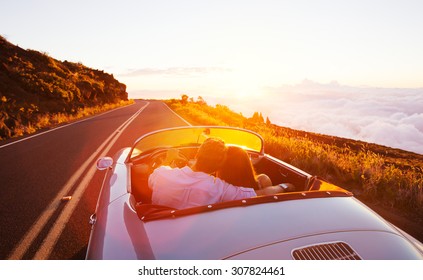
{"x":116,"y":181}
{"x":190,"y":237}
{"x":119,"y":234}
{"x":374,"y":248}
{"x":261,"y":228}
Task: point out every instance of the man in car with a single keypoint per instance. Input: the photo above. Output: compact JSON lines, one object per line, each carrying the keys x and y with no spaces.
{"x":195,"y":186}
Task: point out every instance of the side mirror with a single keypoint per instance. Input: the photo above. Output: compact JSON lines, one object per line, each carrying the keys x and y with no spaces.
{"x":104,"y":163}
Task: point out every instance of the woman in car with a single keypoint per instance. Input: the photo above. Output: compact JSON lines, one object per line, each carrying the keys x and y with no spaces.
{"x":238,"y":170}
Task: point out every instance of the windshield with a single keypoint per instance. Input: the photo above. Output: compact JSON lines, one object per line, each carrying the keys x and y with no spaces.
{"x":195,"y":135}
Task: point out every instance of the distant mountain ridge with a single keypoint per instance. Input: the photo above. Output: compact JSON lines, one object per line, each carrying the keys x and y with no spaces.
{"x":33,"y":84}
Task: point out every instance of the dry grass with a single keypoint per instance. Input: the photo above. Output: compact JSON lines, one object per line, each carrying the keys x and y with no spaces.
{"x":48,"y":120}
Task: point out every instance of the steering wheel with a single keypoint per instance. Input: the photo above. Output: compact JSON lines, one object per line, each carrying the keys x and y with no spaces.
{"x":157,"y":158}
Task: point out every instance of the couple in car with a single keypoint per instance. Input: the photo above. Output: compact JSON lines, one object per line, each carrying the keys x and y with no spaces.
{"x":219,"y":174}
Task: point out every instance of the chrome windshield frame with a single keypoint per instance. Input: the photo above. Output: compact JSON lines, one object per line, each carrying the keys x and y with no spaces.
{"x":201,"y":133}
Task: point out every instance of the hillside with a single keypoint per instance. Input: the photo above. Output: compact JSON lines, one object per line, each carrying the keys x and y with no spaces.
{"x":34,"y":88}
{"x":389,"y":180}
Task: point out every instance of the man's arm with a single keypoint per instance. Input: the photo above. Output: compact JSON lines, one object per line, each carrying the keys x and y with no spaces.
{"x":270,"y":190}
{"x":276,"y":189}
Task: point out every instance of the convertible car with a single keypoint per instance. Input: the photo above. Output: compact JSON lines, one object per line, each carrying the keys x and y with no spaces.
{"x":317,"y":221}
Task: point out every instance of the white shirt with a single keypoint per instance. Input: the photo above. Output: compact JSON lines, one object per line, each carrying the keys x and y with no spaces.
{"x":183,"y":188}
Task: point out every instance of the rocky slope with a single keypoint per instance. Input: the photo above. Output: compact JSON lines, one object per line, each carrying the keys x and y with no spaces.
{"x":33,"y":84}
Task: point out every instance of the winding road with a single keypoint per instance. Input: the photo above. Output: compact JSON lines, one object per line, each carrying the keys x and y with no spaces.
{"x":38,"y":172}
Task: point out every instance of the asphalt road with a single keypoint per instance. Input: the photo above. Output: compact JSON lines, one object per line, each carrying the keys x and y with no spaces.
{"x":37,"y":171}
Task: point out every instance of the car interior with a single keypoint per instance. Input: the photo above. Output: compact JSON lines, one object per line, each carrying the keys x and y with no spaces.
{"x":142,"y":167}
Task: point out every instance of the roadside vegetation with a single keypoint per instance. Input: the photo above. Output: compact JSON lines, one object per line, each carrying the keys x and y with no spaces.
{"x":38,"y":91}
{"x":30,"y":122}
{"x":384,"y":176}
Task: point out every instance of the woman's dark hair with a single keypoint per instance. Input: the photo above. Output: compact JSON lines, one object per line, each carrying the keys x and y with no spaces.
{"x":237,"y":169}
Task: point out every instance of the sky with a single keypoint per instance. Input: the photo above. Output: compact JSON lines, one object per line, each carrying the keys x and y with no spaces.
{"x":248,"y":52}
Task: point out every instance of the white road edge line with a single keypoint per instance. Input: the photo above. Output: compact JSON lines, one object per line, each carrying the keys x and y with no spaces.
{"x":59,"y":127}
{"x":177,"y":115}
{"x":37,"y":227}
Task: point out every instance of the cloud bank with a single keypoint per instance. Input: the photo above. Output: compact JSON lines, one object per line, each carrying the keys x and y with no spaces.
{"x":387,"y":116}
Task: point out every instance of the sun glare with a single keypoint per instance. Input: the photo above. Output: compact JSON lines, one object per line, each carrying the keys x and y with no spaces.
{"x":245,"y":85}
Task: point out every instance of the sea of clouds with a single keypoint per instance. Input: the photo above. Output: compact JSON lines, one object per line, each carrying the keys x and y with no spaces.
{"x":388,"y":116}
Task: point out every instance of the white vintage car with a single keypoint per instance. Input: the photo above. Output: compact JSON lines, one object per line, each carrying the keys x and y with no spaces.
{"x":317,"y":221}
